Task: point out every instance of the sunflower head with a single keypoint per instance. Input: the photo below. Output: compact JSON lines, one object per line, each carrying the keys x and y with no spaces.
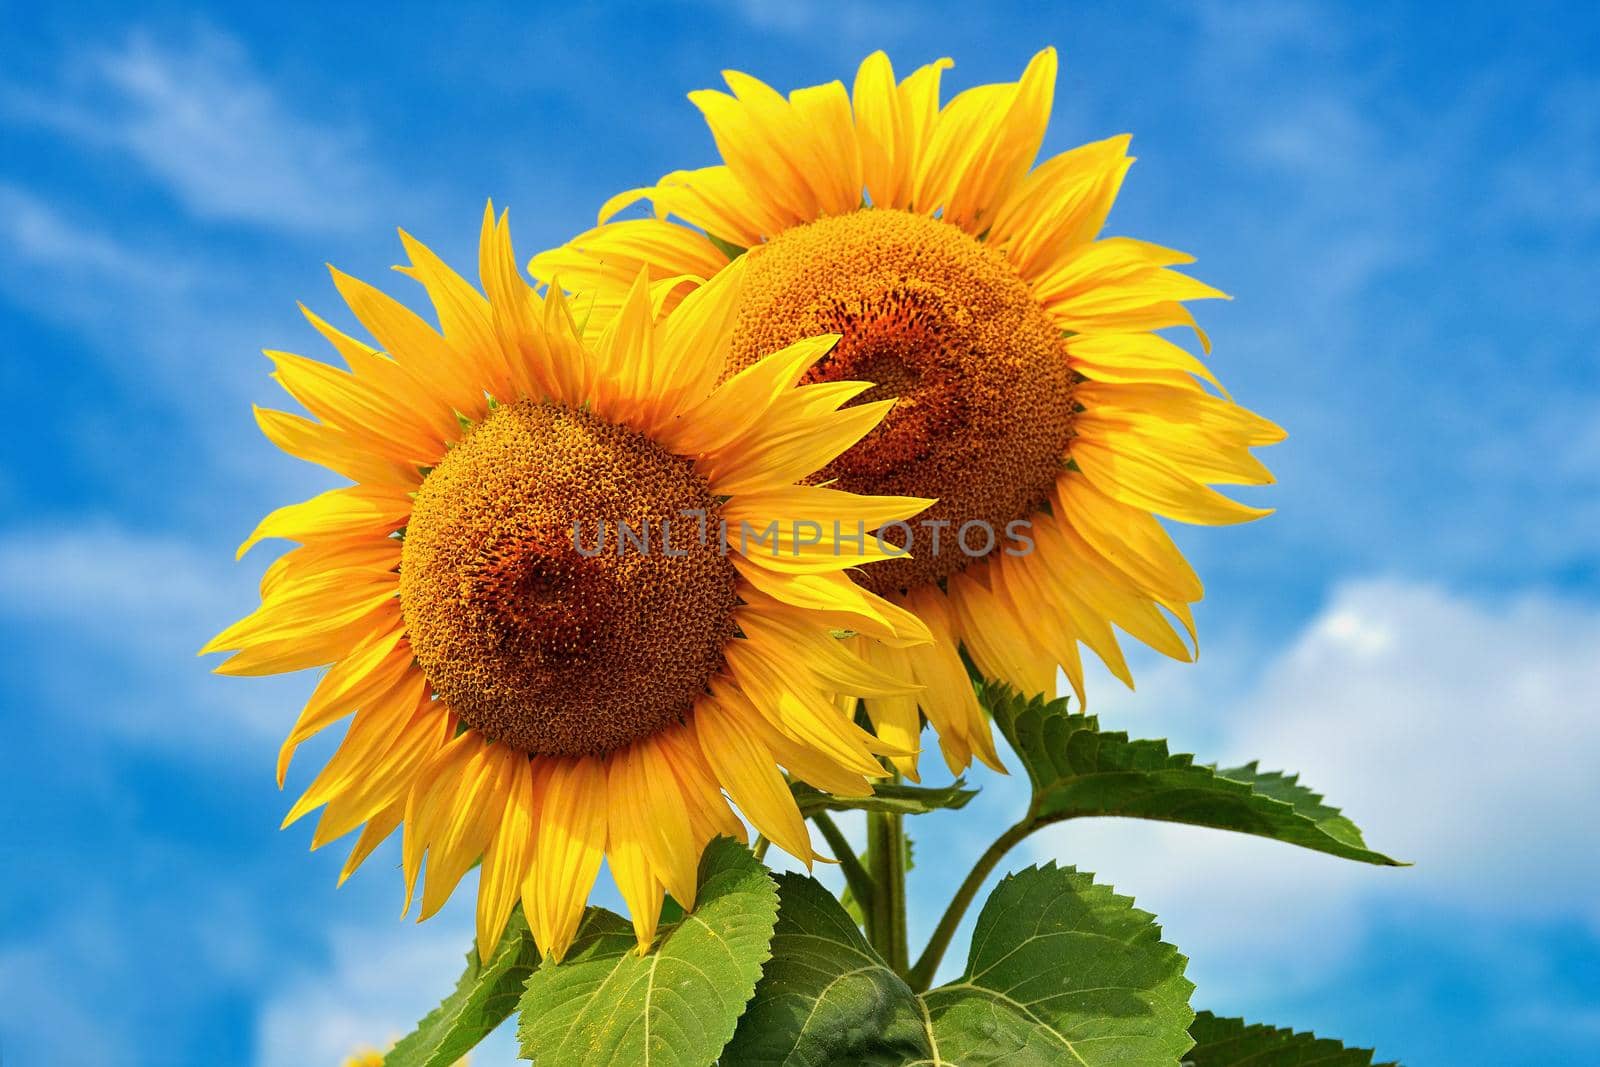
{"x":1039,"y":403}
{"x":535,"y":637}
{"x":538,"y":605}
{"x":943,"y":323}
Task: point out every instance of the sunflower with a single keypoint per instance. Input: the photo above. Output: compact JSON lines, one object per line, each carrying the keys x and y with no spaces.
{"x":1038,"y":403}
{"x":533,"y":683}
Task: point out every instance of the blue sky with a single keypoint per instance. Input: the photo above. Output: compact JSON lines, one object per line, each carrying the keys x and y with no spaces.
{"x":1405,"y":205}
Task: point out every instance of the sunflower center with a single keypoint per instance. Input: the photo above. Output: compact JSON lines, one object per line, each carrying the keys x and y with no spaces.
{"x":943,"y":322}
{"x":540,"y":597}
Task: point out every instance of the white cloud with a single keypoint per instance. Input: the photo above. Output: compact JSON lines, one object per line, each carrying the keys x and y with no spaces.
{"x":92,"y":977}
{"x":842,"y":27}
{"x":1318,"y":137}
{"x":378,"y":985}
{"x":37,"y":1016}
{"x":40,"y":236}
{"x":176,"y":325}
{"x":69,"y":269}
{"x":137,"y":607}
{"x":1460,"y":734}
{"x":379,"y":982}
{"x":201,"y":119}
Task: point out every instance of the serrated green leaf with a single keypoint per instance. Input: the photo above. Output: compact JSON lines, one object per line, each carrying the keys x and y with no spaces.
{"x":825,"y":997}
{"x":1223,"y":1042}
{"x":1062,"y":970}
{"x":485,"y":997}
{"x":675,"y":1007}
{"x":1079,"y":770}
{"x":1306,"y":803}
{"x":890,"y":797}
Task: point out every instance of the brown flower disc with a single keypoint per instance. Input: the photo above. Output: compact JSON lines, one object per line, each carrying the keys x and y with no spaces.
{"x":945,"y":324}
{"x":534,"y":637}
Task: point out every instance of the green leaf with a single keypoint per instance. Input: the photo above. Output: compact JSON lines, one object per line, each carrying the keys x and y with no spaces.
{"x":483,"y":999}
{"x":1233,"y":1043}
{"x":825,"y":996}
{"x":1079,"y":770}
{"x":890,"y":797}
{"x":676,"y":1006}
{"x":1062,"y":971}
{"x":1306,"y":803}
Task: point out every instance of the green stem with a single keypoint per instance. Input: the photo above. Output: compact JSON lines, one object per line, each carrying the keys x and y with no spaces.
{"x":920,"y":976}
{"x":760,"y":847}
{"x":886,"y":858}
{"x":855,"y":875}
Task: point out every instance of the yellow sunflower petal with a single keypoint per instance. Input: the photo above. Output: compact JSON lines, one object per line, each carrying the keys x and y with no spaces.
{"x":378,"y":665}
{"x":382,"y":781}
{"x":797,"y":636}
{"x":709,"y":814}
{"x":465,"y":318}
{"x":377,"y":830}
{"x":1146,"y":481}
{"x":983,"y":142}
{"x":997,"y":640}
{"x":746,"y":768}
{"x":777,"y":455}
{"x":1135,"y":357}
{"x":803,"y":712}
{"x":414,"y":345}
{"x":571,"y":842}
{"x":1061,"y":204}
{"x":1129,"y":538}
{"x":359,"y":511}
{"x":895,"y":717}
{"x":742,"y":401}
{"x":475,"y":806}
{"x":629,"y":837}
{"x":379,"y":418}
{"x":947,"y":696}
{"x":617,"y":252}
{"x":671,"y":846}
{"x":692,"y":345}
{"x":373,"y":733}
{"x":509,"y":854}
{"x":333,"y":448}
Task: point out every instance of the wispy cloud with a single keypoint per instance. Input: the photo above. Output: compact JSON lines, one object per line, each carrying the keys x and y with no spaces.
{"x":43,"y":1006}
{"x":378,"y":983}
{"x":842,"y":26}
{"x":36,"y":235}
{"x":199,"y":117}
{"x":151,"y":937}
{"x":137,"y":607}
